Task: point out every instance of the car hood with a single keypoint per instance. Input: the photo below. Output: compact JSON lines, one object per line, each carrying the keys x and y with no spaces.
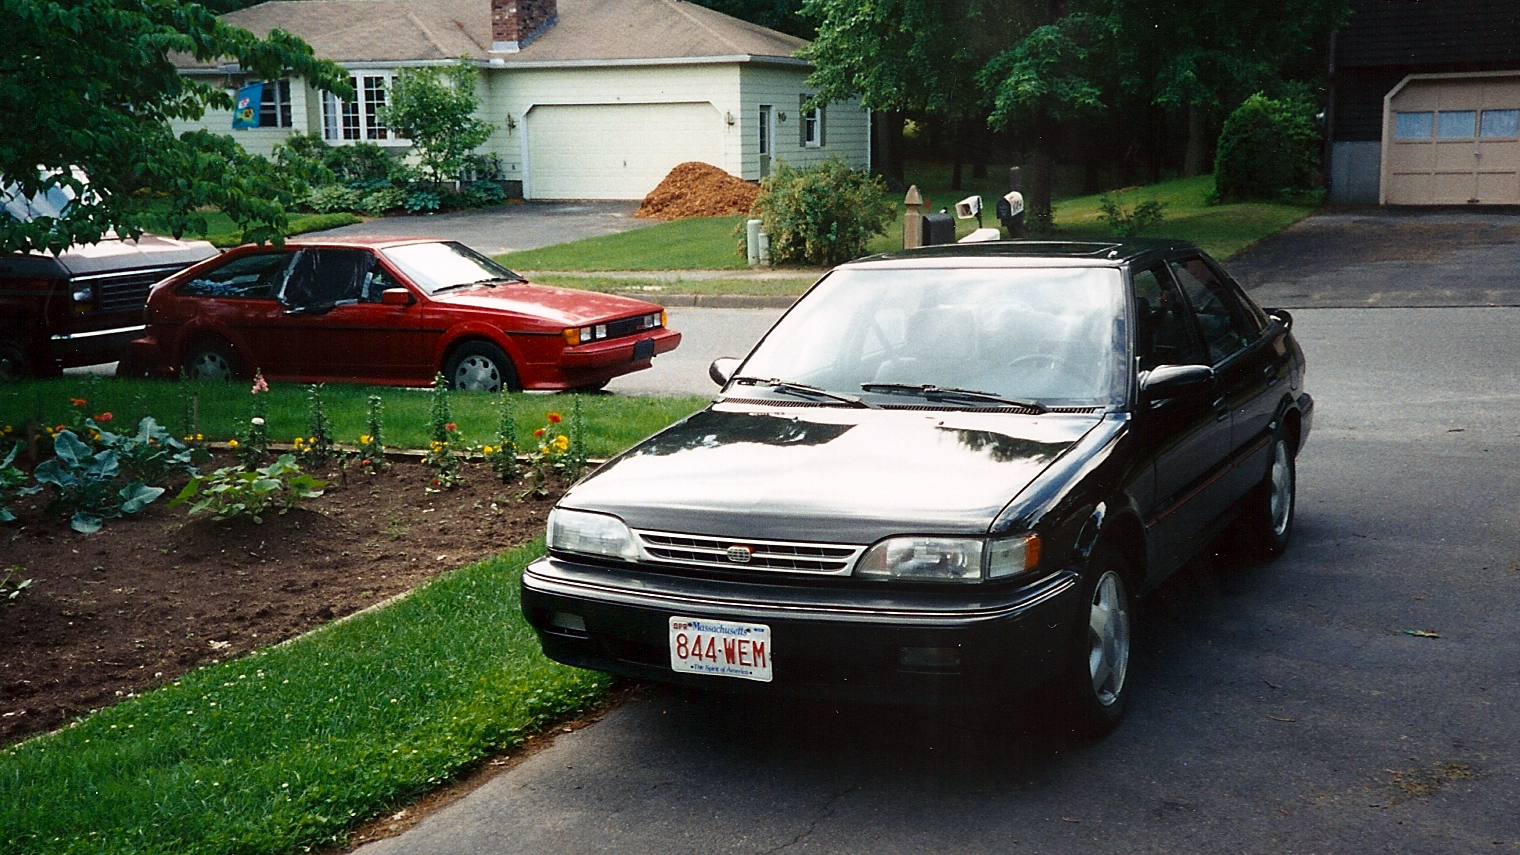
{"x":828,"y":474}
{"x":560,"y":306}
{"x":110,"y":255}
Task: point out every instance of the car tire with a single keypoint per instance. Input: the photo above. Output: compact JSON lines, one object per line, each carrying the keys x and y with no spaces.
{"x":479,"y":366}
{"x":15,"y":362}
{"x":1270,"y":507}
{"x":211,"y":360}
{"x":1096,"y":675}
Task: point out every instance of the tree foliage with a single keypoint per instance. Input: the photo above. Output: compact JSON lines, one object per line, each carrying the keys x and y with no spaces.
{"x":90,"y":85}
{"x":783,"y":15}
{"x":435,"y":109}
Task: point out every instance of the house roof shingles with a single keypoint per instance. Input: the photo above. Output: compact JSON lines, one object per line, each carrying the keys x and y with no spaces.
{"x":352,"y":31}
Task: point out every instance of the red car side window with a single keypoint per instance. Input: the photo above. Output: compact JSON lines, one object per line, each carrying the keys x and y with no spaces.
{"x":249,"y":277}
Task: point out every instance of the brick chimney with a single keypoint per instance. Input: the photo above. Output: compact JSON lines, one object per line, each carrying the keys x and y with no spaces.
{"x":515,"y":23}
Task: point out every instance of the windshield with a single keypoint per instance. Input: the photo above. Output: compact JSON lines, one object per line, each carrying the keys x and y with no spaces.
{"x":1047,"y":335}
{"x":438,"y":267}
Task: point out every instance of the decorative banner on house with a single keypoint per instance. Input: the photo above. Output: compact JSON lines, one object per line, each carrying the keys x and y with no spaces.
{"x":246,"y":113}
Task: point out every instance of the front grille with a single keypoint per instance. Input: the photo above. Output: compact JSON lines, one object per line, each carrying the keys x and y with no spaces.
{"x":774,"y":556}
{"x":124,"y":292}
{"x":628,"y":326}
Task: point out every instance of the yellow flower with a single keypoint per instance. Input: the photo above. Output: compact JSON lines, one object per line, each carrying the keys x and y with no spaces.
{"x":199,"y":437}
{"x":561,"y":443}
{"x":232,"y":443}
{"x":486,"y":450}
{"x":364,"y":440}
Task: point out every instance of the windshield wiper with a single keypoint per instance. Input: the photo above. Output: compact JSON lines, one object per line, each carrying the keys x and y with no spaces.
{"x":499,"y":280}
{"x":802,"y":390}
{"x":932,"y":392}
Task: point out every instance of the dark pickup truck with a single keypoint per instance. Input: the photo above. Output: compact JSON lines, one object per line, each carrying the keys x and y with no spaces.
{"x":82,"y":307}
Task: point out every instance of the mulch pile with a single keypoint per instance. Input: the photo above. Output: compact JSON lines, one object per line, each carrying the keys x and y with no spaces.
{"x":696,"y":189}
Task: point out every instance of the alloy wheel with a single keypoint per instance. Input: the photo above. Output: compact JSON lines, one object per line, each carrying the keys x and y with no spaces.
{"x":1108,"y":632}
{"x":1281,"y":499}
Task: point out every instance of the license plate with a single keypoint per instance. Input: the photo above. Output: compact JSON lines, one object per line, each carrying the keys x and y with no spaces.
{"x":643,"y":349}
{"x":720,"y":648}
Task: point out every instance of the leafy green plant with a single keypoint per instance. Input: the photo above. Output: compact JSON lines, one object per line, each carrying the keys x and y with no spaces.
{"x":485,"y":194}
{"x":11,"y":590}
{"x":86,"y":484}
{"x":10,"y":479}
{"x":503,"y":455}
{"x":371,"y":452}
{"x":316,"y":448}
{"x":1268,"y":149}
{"x":1129,"y":221}
{"x":821,"y":215}
{"x":333,"y":198}
{"x":233,"y":492}
{"x":421,"y":202}
{"x":152,"y":454}
{"x":435,"y":109}
{"x":382,"y":200}
{"x":441,"y":456}
{"x":251,"y":445}
{"x":549,"y":460}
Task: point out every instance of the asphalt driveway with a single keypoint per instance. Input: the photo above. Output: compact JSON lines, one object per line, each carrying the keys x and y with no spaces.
{"x":511,"y":227}
{"x":1387,"y":258}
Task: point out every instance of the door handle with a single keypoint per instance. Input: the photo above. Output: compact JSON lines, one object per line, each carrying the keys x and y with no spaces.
{"x":1271,"y":374}
{"x":1221,"y":410}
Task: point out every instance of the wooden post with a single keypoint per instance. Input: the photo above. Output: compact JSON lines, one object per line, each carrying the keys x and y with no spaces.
{"x":913,"y":219}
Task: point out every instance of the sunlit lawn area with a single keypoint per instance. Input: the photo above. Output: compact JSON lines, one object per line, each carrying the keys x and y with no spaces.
{"x":221,"y":231}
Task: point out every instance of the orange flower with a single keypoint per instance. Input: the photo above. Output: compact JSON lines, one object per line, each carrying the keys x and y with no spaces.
{"x":103,"y":417}
{"x":554,"y":418}
{"x":539,"y":432}
{"x":78,"y":402}
{"x":450,"y":426}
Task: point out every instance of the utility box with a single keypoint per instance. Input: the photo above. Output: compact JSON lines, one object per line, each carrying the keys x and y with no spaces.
{"x":938,"y":229}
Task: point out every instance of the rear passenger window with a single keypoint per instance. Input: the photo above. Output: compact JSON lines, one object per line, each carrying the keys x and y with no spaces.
{"x":251,"y":277}
{"x":1226,"y":326}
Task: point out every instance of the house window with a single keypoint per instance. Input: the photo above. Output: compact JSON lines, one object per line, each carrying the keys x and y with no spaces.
{"x":812,"y":123}
{"x":1413,"y":126}
{"x":358,"y":119}
{"x":274,"y":108}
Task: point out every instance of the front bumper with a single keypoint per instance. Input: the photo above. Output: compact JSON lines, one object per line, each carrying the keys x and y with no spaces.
{"x":832,"y":643}
{"x":89,"y":347}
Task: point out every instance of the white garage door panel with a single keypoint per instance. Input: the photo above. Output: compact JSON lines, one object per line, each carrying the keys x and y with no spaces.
{"x":616,"y":151}
{"x":1465,"y":161}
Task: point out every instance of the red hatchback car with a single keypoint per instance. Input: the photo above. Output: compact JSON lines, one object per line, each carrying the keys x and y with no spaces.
{"x":391,"y":311}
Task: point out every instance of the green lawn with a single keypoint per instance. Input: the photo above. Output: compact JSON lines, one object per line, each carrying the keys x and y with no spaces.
{"x":221,"y":231}
{"x":613,"y":422}
{"x":288,"y":748}
{"x":652,"y":288}
{"x":700,"y":243}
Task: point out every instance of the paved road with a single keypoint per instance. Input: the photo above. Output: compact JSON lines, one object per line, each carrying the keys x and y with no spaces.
{"x":511,"y":228}
{"x":706,"y":334}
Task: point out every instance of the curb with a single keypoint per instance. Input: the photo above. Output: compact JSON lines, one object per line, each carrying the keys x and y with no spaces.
{"x":716,"y":301}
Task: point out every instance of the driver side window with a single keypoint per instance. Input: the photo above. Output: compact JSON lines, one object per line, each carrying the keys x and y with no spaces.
{"x":1162,"y":335}
{"x":327,"y":277}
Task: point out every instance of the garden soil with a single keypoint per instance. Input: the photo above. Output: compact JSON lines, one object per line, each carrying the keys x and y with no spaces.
{"x":696,"y":189}
{"x":159,"y":593}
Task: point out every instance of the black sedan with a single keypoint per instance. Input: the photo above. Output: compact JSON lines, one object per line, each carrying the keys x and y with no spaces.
{"x":944,"y":475}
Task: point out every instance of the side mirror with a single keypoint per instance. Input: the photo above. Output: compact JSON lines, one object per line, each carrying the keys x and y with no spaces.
{"x":722,"y":368}
{"x":1283,"y":316}
{"x":1172,"y":381}
{"x":396,"y":297}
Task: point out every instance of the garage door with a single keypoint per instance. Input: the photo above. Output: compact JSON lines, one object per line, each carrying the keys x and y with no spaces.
{"x":1453,"y":142}
{"x":616,"y":151}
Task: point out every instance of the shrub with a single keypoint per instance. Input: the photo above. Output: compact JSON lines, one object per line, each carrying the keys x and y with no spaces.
{"x":1267,"y":150}
{"x":821,"y":215}
{"x":485,"y":194}
{"x":383,"y":200}
{"x":435,"y":109}
{"x":233,"y":492}
{"x":1130,"y":221}
{"x":10,"y":479}
{"x":86,"y":484}
{"x":332,"y":199}
{"x":361,"y":161}
{"x":421,"y":202}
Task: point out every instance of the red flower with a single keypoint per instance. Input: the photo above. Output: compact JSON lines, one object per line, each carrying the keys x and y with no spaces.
{"x":103,"y":417}
{"x":364,"y":462}
{"x":539,"y":432}
{"x":450,"y":426}
{"x":78,"y":402}
{"x":554,"y":418}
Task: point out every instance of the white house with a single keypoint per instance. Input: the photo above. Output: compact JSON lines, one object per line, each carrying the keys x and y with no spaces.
{"x":592,"y":99}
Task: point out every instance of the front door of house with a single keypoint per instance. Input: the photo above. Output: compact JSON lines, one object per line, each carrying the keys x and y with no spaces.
{"x":765,"y":140}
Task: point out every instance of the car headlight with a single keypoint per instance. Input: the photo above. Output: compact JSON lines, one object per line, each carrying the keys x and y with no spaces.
{"x":590,"y":534}
{"x":949,"y":559}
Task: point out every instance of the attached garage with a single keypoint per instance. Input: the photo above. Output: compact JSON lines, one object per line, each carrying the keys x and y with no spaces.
{"x":615,"y":151}
{"x":1452,"y":139}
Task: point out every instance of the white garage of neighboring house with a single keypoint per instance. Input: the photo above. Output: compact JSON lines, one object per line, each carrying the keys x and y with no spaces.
{"x":1452,"y":139}
{"x":591,"y":99}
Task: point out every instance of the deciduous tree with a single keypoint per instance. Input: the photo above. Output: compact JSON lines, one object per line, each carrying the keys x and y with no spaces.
{"x":435,"y":109}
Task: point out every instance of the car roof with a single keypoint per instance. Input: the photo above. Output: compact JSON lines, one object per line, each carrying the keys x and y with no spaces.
{"x":359,"y":241}
{"x":1026,"y":253}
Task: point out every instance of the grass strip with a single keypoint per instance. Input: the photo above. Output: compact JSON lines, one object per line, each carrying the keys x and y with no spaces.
{"x":652,"y":288}
{"x":293,"y":745}
{"x":613,"y":422}
{"x":223,"y":232}
{"x":700,"y":243}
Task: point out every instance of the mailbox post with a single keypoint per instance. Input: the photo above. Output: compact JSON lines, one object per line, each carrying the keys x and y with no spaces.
{"x":913,"y":219}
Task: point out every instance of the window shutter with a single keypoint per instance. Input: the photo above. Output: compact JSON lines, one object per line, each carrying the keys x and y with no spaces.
{"x":802,"y":120}
{"x":822,"y":140}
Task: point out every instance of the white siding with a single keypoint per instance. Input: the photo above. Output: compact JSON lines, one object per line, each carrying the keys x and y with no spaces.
{"x":846,"y":125}
{"x":261,"y":141}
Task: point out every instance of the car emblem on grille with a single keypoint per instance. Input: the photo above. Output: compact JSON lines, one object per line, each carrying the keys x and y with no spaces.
{"x":740,"y":554}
